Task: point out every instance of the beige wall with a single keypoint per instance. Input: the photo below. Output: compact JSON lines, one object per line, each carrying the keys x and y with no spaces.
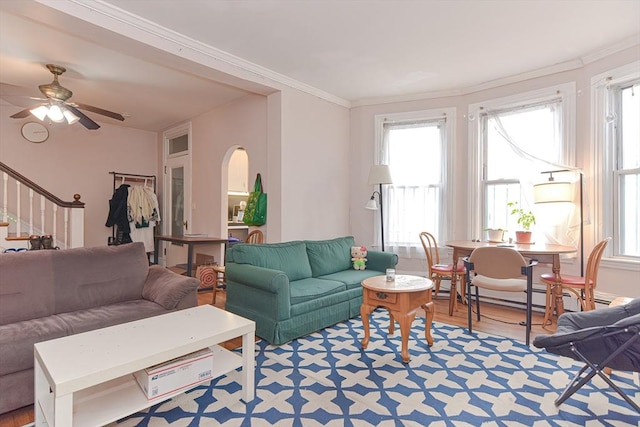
{"x":315,"y":170}
{"x":615,"y":278}
{"x":77,"y":160}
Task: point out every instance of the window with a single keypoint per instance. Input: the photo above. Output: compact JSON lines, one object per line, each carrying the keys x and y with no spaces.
{"x":517,"y":138}
{"x":617,"y":132}
{"x":416,"y":146}
{"x":535,"y":129}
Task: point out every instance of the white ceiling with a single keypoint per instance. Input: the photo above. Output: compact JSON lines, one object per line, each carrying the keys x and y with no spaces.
{"x":355,"y":51}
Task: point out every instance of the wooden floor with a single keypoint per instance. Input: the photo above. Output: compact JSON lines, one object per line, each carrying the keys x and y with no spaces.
{"x":498,"y":320}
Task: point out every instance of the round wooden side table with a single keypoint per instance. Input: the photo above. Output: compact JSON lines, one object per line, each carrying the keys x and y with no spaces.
{"x":401,"y":297}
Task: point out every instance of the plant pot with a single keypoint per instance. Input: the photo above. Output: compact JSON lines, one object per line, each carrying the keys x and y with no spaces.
{"x":523,"y":236}
{"x":495,"y":235}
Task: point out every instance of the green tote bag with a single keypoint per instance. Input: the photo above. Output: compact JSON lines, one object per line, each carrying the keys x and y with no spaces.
{"x":256,"y":211}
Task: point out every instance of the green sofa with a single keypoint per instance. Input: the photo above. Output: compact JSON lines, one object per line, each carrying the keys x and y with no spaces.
{"x":294,"y":288}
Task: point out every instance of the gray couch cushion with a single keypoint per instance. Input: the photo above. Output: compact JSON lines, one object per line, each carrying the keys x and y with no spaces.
{"x":17,"y":340}
{"x":91,"y":277}
{"x":330,"y":256}
{"x":159,"y":289}
{"x":109,"y":315}
{"x":24,"y":290}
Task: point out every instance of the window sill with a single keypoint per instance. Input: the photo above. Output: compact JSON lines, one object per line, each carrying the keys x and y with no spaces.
{"x":621,"y":263}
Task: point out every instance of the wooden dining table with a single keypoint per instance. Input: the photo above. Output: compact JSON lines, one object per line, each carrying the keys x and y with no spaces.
{"x":544,"y":253}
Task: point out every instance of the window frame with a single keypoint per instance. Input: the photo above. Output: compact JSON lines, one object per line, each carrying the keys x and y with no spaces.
{"x":448,"y":114}
{"x":604,"y":145}
{"x":566,"y":92}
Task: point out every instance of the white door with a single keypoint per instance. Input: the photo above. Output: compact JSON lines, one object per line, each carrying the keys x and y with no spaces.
{"x":177,"y":192}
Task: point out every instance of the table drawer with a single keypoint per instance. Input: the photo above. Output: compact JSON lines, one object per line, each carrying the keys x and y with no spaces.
{"x":383,"y":297}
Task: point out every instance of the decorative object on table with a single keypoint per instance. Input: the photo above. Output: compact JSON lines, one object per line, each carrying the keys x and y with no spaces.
{"x":526,"y":219}
{"x":391,"y":274}
{"x":495,"y":235}
{"x":256,"y":211}
{"x":358,"y":257}
{"x":554,"y":191}
{"x":379,"y":174}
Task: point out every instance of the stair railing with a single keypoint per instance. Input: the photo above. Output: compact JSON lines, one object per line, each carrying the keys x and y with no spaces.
{"x":66,"y":228}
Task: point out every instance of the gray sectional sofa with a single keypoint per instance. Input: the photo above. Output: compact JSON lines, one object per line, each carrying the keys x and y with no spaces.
{"x":48,"y":294}
{"x":294,"y":288}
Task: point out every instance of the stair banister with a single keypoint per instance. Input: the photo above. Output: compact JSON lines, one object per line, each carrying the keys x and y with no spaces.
{"x":73,"y":212}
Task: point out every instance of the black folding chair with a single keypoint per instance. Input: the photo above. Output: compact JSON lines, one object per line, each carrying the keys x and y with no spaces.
{"x":602,"y":338}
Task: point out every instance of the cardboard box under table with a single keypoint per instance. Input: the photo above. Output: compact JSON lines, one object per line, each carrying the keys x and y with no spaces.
{"x":176,"y":374}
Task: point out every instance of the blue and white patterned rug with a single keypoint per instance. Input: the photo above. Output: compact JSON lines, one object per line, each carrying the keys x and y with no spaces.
{"x":326,"y":379}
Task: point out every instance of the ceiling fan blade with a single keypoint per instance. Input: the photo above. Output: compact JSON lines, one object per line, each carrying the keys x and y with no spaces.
{"x":100,"y":111}
{"x":25,"y":113}
{"x":84,"y":120}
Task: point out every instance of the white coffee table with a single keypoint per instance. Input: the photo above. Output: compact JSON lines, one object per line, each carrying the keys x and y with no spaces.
{"x":86,"y":379}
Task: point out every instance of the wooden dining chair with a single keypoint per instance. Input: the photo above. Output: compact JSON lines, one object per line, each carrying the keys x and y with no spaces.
{"x":438,"y":272}
{"x":255,"y":237}
{"x":582,"y":287}
{"x":499,"y":269}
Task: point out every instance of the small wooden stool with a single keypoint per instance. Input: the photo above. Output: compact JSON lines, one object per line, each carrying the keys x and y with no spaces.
{"x":221,"y":279}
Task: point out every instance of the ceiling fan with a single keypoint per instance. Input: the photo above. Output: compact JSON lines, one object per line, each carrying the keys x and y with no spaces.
{"x":57,"y":107}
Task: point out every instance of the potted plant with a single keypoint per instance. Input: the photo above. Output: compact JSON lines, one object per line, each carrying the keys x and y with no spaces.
{"x":526,"y":219}
{"x":495,"y":234}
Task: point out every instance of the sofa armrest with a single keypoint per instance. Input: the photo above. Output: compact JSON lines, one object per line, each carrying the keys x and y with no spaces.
{"x":380,"y":261}
{"x":169,"y":289}
{"x":272,"y":289}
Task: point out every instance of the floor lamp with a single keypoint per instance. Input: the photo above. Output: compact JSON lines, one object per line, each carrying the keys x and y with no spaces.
{"x":553,"y":191}
{"x":379,"y":174}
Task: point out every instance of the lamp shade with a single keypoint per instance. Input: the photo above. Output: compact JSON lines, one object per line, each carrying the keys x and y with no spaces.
{"x":552,"y":192}
{"x":371,"y":204}
{"x":380,"y":174}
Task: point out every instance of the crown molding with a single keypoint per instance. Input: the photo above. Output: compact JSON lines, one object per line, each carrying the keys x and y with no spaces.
{"x":107,"y":16}
{"x":610,"y":50}
{"x":541,"y":72}
{"x":142,"y":30}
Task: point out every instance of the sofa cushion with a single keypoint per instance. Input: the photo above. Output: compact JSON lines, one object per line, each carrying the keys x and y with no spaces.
{"x":109,"y":315}
{"x":161,"y":289}
{"x":24,"y":286}
{"x":91,"y":277}
{"x":290,"y":257}
{"x":329,"y":256}
{"x":351,"y":278}
{"x":17,"y":340}
{"x":312,"y":288}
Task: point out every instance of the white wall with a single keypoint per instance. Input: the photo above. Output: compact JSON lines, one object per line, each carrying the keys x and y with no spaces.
{"x":614,"y":278}
{"x":77,"y":160}
{"x":315,"y":169}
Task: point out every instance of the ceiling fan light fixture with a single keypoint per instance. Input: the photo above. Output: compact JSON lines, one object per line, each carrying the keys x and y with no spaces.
{"x":71,"y":118}
{"x":55,"y":114}
{"x":40,"y":112}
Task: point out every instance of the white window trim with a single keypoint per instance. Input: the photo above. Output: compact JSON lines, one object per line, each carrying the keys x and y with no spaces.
{"x":448,"y":152}
{"x":566,"y":91}
{"x":601,"y":136}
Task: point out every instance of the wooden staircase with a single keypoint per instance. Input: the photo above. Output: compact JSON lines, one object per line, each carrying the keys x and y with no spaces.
{"x":20,"y":198}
